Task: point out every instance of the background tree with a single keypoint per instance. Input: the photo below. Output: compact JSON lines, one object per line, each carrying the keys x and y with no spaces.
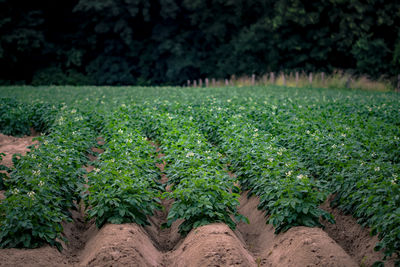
{"x":117,"y":42}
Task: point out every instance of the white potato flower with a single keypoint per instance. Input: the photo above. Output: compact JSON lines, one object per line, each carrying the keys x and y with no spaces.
{"x":189,"y":154}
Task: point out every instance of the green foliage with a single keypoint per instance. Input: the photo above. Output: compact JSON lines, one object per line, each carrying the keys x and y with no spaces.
{"x":349,"y":144}
{"x":45,"y":183}
{"x":3,"y":176}
{"x":17,"y":118}
{"x":290,"y":147}
{"x":14,"y":119}
{"x":123,"y":187}
{"x":396,"y":56}
{"x":203,"y":201}
{"x":265,"y":168}
{"x":201,"y":188}
{"x":31,"y":222}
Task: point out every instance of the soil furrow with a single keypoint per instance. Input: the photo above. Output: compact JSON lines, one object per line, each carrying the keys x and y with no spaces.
{"x":299,"y":246}
{"x":353,"y":238}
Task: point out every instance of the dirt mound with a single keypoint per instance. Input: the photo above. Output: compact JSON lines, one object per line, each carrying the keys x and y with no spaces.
{"x":120,"y":245}
{"x":211,"y":245}
{"x":300,"y":246}
{"x":10,"y":145}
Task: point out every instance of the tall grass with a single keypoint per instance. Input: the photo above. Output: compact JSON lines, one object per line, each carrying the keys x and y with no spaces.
{"x":337,"y":79}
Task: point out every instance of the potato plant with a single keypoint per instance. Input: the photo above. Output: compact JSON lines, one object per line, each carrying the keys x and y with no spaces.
{"x":203,"y":191}
{"x":124,"y":185}
{"x":45,"y":183}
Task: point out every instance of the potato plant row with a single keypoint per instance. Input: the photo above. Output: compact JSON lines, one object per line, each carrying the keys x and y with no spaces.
{"x":286,"y":190}
{"x":203,"y":191}
{"x":123,"y":187}
{"x":17,"y":118}
{"x":45,"y":183}
{"x":357,"y":154}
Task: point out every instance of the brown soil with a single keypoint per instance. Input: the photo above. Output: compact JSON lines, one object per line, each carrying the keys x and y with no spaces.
{"x":100,"y":140}
{"x":10,"y":145}
{"x":211,"y":245}
{"x":352,"y":237}
{"x":77,"y":232}
{"x":300,"y":246}
{"x":253,"y":244}
{"x":45,"y":256}
{"x":120,"y":245}
{"x":165,"y":239}
{"x":91,"y":157}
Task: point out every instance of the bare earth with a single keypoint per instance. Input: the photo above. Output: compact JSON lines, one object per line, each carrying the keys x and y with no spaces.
{"x":10,"y":145}
{"x":253,"y":244}
{"x":354,"y":238}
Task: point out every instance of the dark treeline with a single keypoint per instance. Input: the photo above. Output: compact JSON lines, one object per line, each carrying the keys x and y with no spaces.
{"x":169,"y":41}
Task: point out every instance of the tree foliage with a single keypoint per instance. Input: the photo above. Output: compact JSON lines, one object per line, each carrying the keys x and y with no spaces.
{"x":169,"y":41}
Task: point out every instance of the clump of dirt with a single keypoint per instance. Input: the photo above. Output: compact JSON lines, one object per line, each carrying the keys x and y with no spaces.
{"x":211,"y":245}
{"x":352,"y":237}
{"x":299,"y":246}
{"x":120,"y":245}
